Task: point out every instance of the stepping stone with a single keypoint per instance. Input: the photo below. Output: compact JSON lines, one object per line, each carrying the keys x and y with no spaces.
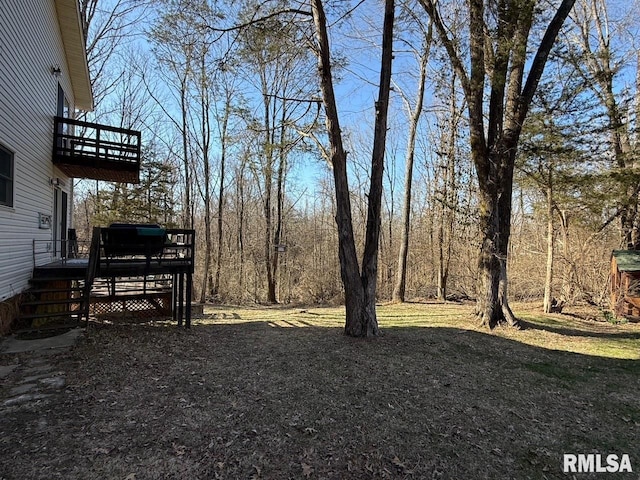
{"x":35,"y":370}
{"x":27,"y":397}
{"x":54,"y":382}
{"x":34,"y":378}
{"x":42,"y":346}
{"x":21,"y":389}
{"x":5,"y":370}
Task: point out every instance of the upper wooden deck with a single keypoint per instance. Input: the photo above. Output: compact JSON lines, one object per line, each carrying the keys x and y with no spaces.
{"x":90,"y":150}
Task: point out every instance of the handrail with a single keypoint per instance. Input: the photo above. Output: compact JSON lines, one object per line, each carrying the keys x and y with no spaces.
{"x":188,"y":245}
{"x":81,"y":123}
{"x":92,"y":268}
{"x":96,"y":142}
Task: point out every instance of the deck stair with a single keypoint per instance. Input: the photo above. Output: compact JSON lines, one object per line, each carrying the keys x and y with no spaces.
{"x":131,"y":270}
{"x":59,"y":294}
{"x":52,"y":302}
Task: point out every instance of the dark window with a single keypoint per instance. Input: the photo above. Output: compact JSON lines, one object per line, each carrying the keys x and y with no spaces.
{"x":6,"y":177}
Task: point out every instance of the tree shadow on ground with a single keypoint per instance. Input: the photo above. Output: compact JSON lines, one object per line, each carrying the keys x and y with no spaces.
{"x":271,"y":399}
{"x":575,"y":332}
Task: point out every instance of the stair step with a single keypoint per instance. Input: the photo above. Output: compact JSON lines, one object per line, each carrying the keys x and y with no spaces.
{"x":60,"y":301}
{"x":55,"y":290}
{"x":55,"y":279}
{"x":46,"y":328}
{"x":66,"y":313}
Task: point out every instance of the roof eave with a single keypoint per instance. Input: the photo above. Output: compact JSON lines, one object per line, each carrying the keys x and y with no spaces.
{"x":70,"y":23}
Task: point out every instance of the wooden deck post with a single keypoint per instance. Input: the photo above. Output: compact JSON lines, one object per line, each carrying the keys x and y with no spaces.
{"x":189,"y":292}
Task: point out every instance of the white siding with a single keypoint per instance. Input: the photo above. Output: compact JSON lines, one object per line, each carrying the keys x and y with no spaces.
{"x":30,"y":44}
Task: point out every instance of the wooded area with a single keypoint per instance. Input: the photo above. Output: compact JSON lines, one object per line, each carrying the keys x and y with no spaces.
{"x":359,"y":152}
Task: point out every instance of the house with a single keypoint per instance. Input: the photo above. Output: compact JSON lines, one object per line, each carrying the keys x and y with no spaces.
{"x":625,"y":282}
{"x":44,"y":82}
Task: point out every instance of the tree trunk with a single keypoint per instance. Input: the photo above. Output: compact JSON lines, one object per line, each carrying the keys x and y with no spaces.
{"x":216,"y":283}
{"x":500,"y":61}
{"x":492,"y":305}
{"x":567,"y":280}
{"x":223,"y":163}
{"x":360,"y":289}
{"x":399,"y":290}
{"x":187,"y":218}
{"x":205,"y":140}
{"x":548,"y":293}
{"x":268,"y":147}
{"x":240,"y":201}
{"x":441,"y":279}
{"x":277,"y":235}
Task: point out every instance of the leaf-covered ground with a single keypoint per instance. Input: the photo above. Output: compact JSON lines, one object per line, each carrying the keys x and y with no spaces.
{"x":280,"y":393}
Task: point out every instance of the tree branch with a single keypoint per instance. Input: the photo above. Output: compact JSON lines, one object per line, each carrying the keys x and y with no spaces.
{"x":254,"y":21}
{"x":539,"y":61}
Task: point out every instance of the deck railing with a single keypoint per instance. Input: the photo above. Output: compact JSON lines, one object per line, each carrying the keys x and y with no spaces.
{"x":44,"y":251}
{"x":120,"y":245}
{"x":90,"y":150}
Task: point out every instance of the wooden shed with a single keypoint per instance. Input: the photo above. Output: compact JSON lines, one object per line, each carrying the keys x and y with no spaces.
{"x":625,"y":282}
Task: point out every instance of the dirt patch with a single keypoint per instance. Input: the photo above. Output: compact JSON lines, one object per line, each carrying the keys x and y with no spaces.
{"x":284,"y":394}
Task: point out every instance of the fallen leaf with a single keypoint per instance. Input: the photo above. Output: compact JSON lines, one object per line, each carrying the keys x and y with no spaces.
{"x":179,"y":449}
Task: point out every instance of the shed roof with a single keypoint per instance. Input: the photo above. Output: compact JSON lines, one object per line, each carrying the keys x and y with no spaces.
{"x":627,"y":260}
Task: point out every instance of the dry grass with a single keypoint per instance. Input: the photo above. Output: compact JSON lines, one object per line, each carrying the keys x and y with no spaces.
{"x":280,"y":393}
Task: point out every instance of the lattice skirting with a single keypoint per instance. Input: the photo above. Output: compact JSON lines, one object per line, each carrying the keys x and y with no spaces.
{"x":135,"y":306}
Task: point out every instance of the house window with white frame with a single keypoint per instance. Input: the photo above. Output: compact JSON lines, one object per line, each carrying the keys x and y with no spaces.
{"x":6,"y":177}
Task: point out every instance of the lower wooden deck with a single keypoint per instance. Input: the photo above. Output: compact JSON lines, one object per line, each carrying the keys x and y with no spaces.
{"x":176,"y":272}
{"x":120,"y":267}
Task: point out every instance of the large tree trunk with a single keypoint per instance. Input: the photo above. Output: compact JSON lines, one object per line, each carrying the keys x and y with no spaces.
{"x":488,"y":306}
{"x":372,"y":237}
{"x":501,"y":61}
{"x":492,"y":305}
{"x":360,"y":288}
{"x":356,"y":323}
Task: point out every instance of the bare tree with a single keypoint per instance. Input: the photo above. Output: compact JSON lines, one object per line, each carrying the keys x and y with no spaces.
{"x":446,"y":182}
{"x":359,"y":285}
{"x":599,"y":51}
{"x":223,"y":118}
{"x":105,"y":31}
{"x":415,"y":113}
{"x":275,"y":65}
{"x":499,"y":34}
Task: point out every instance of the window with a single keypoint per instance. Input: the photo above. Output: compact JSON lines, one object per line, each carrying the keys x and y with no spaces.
{"x":6,"y":177}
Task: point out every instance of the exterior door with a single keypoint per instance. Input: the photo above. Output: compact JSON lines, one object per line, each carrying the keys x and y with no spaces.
{"x":60,"y":210}
{"x":60,"y":197}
